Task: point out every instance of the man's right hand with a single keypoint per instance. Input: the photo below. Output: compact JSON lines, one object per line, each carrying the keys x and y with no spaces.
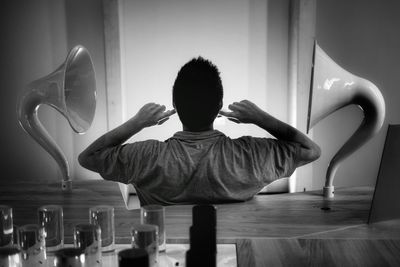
{"x":152,"y":114}
{"x":244,"y":112}
{"x":149,"y":115}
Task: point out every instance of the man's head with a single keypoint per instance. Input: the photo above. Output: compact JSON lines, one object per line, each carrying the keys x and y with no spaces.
{"x":197,"y":94}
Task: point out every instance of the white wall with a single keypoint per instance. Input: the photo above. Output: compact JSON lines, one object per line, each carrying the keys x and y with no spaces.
{"x":363,"y":37}
{"x":247,"y":40}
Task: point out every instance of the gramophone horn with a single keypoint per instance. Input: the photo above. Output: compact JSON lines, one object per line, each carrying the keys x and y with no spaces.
{"x":333,"y":88}
{"x":70,"y":89}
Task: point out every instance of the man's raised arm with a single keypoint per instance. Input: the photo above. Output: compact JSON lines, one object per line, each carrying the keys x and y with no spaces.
{"x":247,"y":112}
{"x":149,"y":115}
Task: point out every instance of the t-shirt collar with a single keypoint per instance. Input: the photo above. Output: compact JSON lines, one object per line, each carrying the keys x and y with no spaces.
{"x":186,"y":135}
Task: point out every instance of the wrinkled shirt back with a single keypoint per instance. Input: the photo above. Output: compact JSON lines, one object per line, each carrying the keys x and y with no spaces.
{"x":199,"y":167}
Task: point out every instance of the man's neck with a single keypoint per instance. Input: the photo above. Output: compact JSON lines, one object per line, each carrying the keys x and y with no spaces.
{"x":208,"y":128}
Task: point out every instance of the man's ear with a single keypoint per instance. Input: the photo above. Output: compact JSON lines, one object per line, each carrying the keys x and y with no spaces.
{"x":220,"y":105}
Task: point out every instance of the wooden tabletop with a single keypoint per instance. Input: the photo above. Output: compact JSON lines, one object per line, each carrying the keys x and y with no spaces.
{"x":298,"y":223}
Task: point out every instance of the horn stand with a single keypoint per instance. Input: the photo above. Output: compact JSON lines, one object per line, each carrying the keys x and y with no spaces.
{"x":333,"y":88}
{"x":71,"y":90}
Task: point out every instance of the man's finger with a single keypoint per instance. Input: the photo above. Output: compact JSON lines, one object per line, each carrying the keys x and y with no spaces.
{"x":235,"y":106}
{"x":225,"y":113}
{"x":165,"y":116}
{"x":234,"y":120}
{"x":149,"y":105}
{"x":171,"y":112}
{"x":161,"y":121}
{"x":168,"y":113}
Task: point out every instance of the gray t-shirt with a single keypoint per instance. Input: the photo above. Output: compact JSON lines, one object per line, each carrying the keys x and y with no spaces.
{"x":199,"y":167}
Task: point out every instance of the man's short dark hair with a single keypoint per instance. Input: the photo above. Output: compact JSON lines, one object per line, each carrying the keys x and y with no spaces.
{"x":197,"y":93}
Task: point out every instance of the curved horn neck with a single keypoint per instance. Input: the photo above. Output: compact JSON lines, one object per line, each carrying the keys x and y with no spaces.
{"x":370,"y":100}
{"x":28,"y":108}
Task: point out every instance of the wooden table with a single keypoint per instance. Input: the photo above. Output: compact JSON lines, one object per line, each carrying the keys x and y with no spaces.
{"x":299,"y":229}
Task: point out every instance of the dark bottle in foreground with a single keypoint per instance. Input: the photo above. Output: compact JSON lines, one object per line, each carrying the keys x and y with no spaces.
{"x":203,"y":237}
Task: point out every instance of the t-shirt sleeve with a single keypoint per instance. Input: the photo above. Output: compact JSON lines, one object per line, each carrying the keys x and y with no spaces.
{"x":124,"y":163}
{"x":272,"y":158}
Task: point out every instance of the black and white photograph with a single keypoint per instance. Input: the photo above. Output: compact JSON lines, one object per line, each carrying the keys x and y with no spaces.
{"x":213,"y":133}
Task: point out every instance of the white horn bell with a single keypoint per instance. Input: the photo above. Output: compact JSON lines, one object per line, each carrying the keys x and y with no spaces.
{"x":71,"y":90}
{"x":333,"y":88}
